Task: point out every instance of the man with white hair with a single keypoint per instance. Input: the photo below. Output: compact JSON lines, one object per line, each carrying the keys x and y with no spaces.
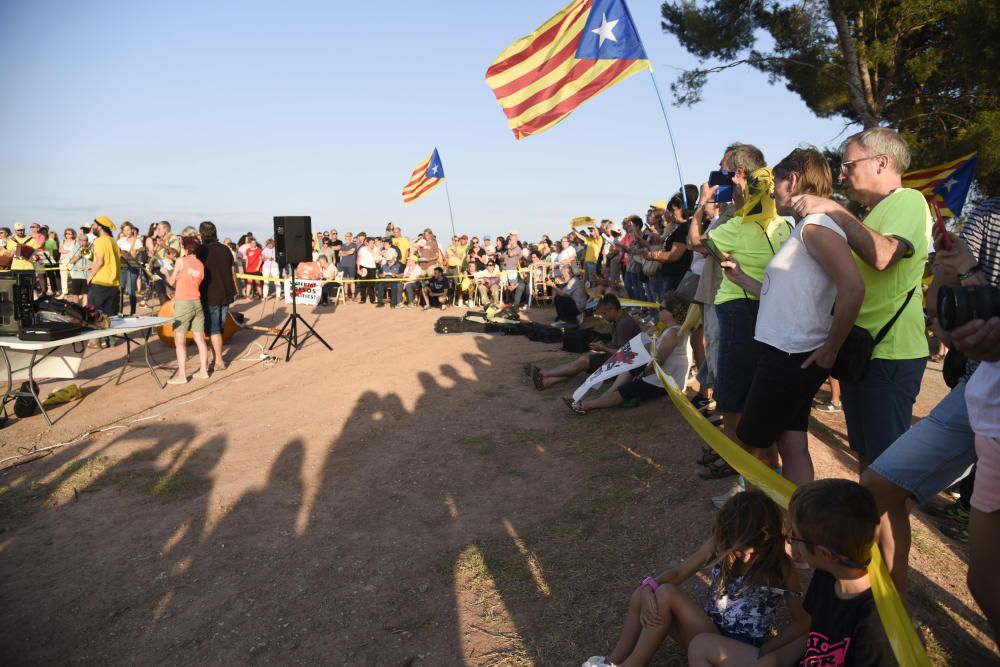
{"x":890,"y":247}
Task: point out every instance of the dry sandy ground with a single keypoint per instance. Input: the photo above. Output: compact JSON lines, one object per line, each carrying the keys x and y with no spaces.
{"x":402,"y":500}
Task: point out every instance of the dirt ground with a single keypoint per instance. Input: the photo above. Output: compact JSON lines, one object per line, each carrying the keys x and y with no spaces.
{"x":402,"y":500}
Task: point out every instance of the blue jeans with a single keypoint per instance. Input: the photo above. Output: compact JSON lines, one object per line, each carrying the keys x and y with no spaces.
{"x":130,"y":281}
{"x":632,"y":286}
{"x":394,"y":289}
{"x":935,"y":453}
{"x":590,"y":270}
{"x":879,"y":409}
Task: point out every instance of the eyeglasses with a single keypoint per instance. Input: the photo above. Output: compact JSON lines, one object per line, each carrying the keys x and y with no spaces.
{"x":845,"y":560}
{"x":847,"y":164}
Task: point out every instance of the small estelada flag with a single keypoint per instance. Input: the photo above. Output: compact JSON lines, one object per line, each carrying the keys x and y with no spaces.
{"x":947,"y":184}
{"x":583,"y":221}
{"x":427,"y":176}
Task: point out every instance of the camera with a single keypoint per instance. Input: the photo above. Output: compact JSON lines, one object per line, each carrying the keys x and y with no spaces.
{"x":959,"y":305}
{"x":724,"y":179}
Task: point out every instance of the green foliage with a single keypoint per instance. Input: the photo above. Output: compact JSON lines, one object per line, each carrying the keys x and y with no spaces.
{"x":930,"y":68}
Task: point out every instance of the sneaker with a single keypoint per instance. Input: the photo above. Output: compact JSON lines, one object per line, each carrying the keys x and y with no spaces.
{"x":723,"y":498}
{"x":380,"y":305}
{"x":597,"y":661}
{"x":829,"y":406}
{"x":220,"y":365}
{"x":426,"y":307}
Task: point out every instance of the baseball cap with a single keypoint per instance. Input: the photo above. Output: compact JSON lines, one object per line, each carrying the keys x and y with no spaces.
{"x":19,"y":225}
{"x":662,"y":205}
{"x":513,"y":232}
{"x":487,"y":238}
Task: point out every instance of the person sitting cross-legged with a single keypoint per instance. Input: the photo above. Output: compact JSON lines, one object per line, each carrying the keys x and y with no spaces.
{"x":624,"y":328}
{"x":673,"y":353}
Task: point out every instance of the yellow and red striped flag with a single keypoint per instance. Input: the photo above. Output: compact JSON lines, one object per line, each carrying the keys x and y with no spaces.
{"x":947,"y":183}
{"x":427,"y":176}
{"x":587,"y":47}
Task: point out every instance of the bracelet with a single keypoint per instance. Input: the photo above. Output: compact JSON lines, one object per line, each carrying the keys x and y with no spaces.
{"x":971,"y":272}
{"x":650,"y":583}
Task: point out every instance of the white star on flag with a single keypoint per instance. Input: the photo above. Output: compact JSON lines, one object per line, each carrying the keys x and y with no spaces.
{"x":434,"y":169}
{"x":606,"y":31}
{"x":950,"y":182}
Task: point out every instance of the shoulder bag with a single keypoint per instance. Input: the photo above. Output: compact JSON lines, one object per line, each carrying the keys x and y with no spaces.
{"x":856,"y":353}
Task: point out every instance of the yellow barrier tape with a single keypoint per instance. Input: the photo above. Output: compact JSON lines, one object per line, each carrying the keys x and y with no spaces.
{"x":633,"y":303}
{"x":421,"y":278}
{"x":903,"y":638}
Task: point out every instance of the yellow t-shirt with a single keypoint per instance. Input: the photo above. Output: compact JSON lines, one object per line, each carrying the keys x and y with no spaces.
{"x":19,"y":264}
{"x":403,"y":246}
{"x":752,"y":244}
{"x":903,"y":214}
{"x":593,"y":249}
{"x":110,"y":271}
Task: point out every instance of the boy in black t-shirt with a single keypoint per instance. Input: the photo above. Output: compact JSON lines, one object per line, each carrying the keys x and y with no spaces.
{"x":833,"y":524}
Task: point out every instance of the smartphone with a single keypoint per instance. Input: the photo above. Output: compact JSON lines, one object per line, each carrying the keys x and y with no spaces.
{"x":720,"y":177}
{"x":713,"y":251}
{"x":939,"y":225}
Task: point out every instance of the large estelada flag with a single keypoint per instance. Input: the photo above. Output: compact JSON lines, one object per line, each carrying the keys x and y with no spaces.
{"x":946,"y":183}
{"x":587,"y":47}
{"x":427,"y":176}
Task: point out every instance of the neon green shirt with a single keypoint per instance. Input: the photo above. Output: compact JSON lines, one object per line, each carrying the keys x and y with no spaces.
{"x":752,"y":245}
{"x":903,"y":214}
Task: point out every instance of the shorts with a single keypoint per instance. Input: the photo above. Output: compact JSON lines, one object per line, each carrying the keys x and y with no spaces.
{"x":188,"y":316}
{"x":986,"y":493}
{"x":780,"y":397}
{"x":879,"y":409}
{"x":596,"y":360}
{"x":77,"y":287}
{"x":737,"y":353}
{"x":936,"y":453}
{"x":641,"y":390}
{"x":215,"y":319}
{"x":350,"y":272}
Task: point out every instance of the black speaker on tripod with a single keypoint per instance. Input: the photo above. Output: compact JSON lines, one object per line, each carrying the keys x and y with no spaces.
{"x":293,"y":244}
{"x":293,"y":239}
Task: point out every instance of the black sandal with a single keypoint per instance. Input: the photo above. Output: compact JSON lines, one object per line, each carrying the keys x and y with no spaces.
{"x":573,"y":405}
{"x":536,"y":378}
{"x":717,"y":470}
{"x":708,"y":457}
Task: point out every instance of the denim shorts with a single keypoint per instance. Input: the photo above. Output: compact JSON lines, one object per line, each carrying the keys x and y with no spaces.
{"x":936,"y":453}
{"x":737,"y":353}
{"x":215,"y":319}
{"x":879,"y":409}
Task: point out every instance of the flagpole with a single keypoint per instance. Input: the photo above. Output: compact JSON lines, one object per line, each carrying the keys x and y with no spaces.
{"x":670,"y":133}
{"x":452,"y":215}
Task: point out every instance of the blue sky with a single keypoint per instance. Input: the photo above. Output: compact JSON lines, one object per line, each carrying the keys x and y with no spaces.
{"x":239,"y":111}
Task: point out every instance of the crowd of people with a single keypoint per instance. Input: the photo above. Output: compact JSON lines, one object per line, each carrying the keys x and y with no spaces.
{"x":761,"y":288}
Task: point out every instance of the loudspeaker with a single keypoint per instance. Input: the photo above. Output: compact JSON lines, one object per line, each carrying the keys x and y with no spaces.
{"x":293,"y":239}
{"x":16,"y":300}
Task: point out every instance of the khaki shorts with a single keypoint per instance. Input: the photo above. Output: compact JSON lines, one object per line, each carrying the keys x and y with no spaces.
{"x":188,"y":316}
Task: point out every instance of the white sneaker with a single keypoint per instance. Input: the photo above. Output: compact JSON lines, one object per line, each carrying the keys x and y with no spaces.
{"x":721,"y":500}
{"x":595,"y":661}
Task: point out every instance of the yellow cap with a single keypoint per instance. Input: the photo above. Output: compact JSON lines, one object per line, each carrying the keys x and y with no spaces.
{"x":105,"y":221}
{"x":662,"y":205}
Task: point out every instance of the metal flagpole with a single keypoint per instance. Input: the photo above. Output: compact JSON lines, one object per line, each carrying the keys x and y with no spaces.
{"x":670,"y":133}
{"x":452,"y":215}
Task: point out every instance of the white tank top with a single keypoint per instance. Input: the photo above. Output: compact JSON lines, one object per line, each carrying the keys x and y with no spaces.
{"x":797,"y":295}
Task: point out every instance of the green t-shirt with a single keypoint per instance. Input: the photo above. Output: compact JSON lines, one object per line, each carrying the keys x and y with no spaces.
{"x":903,"y":214}
{"x":751,"y":244}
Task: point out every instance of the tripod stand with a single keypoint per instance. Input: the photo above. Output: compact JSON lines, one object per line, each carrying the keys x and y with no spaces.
{"x":291,"y":325}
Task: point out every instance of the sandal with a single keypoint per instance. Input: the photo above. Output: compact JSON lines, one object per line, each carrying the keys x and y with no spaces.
{"x":717,"y":470}
{"x":573,"y":405}
{"x":536,"y":378}
{"x":708,"y":457}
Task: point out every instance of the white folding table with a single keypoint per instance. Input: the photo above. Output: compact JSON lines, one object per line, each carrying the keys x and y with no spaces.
{"x":23,"y":359}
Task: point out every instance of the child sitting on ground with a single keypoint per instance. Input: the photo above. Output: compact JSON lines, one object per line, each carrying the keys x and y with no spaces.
{"x":833,"y":525}
{"x":751,"y":575}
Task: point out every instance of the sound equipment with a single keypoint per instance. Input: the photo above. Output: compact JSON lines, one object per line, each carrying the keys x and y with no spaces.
{"x":293,"y":239}
{"x":16,"y":300}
